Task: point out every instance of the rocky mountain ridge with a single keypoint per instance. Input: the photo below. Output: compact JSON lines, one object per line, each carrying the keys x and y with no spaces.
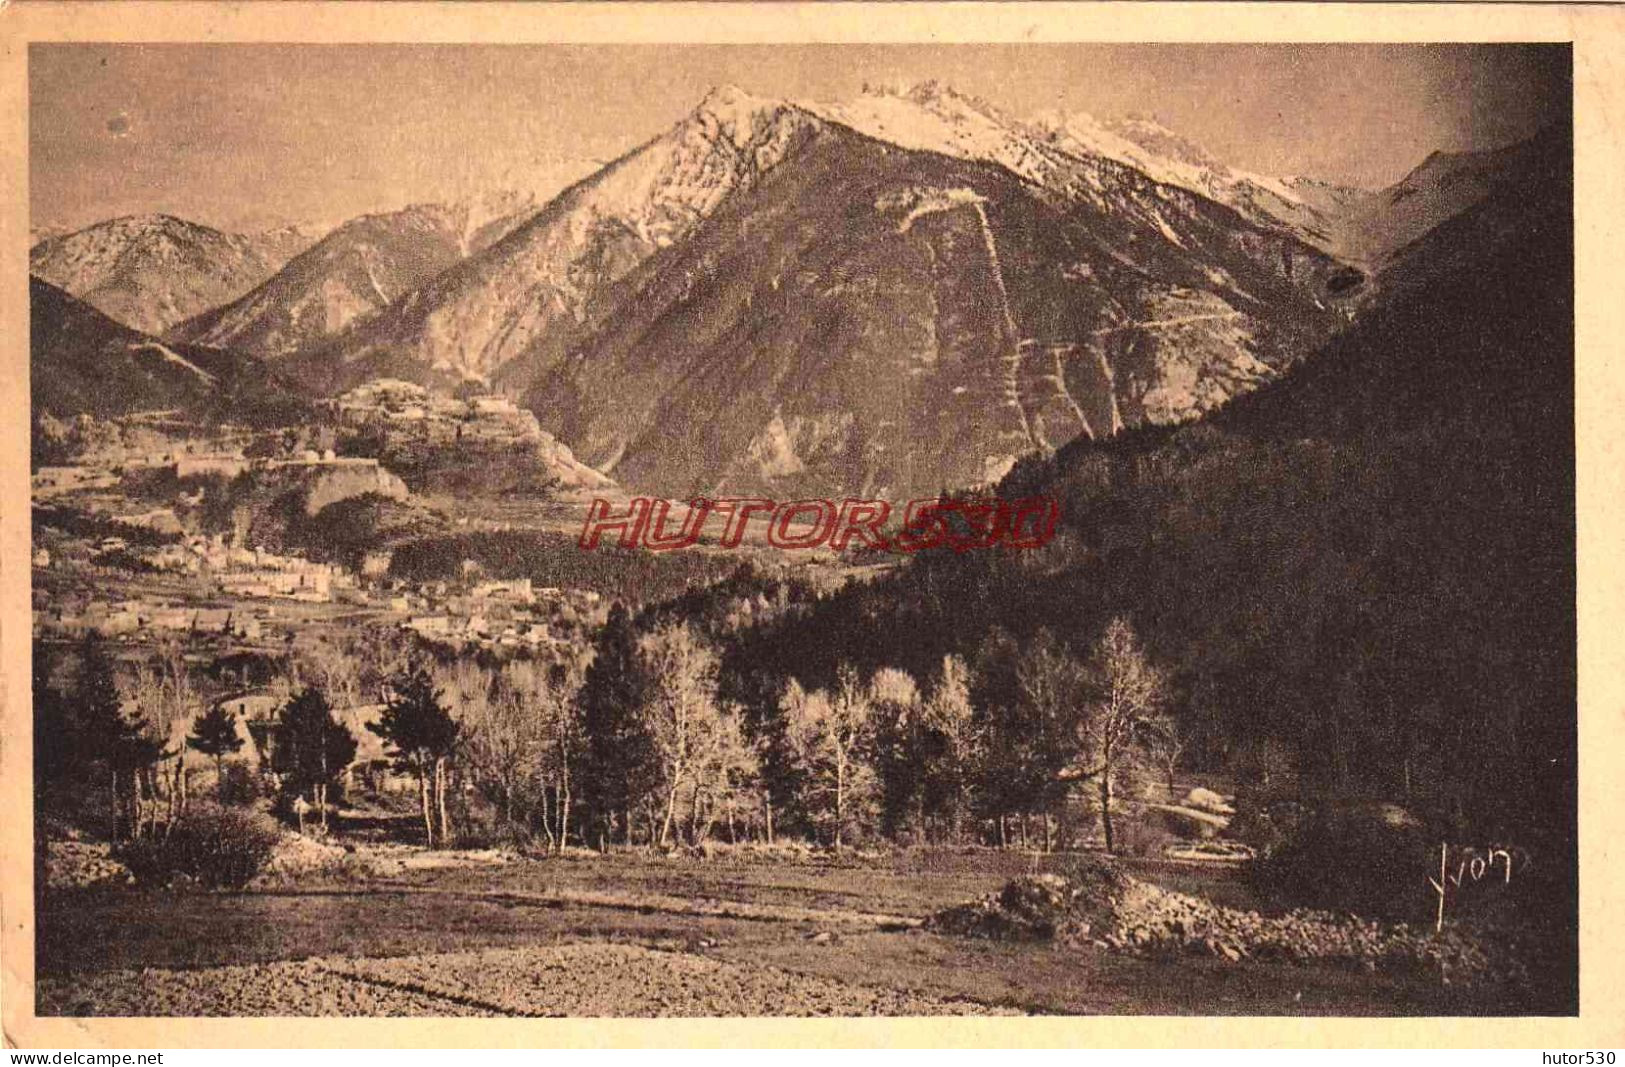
{"x":957,"y":288}
{"x":83,"y":362}
{"x":528,"y":290}
{"x":874,"y":319}
{"x":355,"y":270}
{"x":152,"y":271}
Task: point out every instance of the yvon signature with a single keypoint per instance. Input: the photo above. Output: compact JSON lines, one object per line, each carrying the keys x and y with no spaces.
{"x":1474,"y":865}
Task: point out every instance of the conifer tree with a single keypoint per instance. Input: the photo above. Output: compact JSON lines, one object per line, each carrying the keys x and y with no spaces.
{"x":422,"y":736}
{"x":112,"y":738}
{"x":313,"y":747}
{"x":619,"y":760}
{"x":214,"y":733}
{"x":56,"y":744}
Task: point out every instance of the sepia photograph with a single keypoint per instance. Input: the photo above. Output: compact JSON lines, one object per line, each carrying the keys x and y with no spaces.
{"x":812,"y":529}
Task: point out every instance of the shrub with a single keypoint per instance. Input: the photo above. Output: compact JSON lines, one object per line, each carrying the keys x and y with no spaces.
{"x":1371,"y":859}
{"x":216,"y":847}
{"x":481,"y":831}
{"x":301,"y":860}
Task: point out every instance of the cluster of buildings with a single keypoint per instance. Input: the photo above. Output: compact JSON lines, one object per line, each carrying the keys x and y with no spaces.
{"x":48,"y":481}
{"x":501,"y":615}
{"x":289,"y":577}
{"x":244,"y":572}
{"x":493,"y":614}
{"x":422,"y":433}
{"x":472,"y":611}
{"x":113,"y":619}
{"x":158,"y":520}
{"x":105,"y":470}
{"x":408,"y":414}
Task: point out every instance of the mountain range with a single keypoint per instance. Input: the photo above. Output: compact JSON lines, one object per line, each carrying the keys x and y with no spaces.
{"x":358,"y":268}
{"x":895,"y":293}
{"x":152,"y":271}
{"x":889,"y":321}
{"x":851,"y":280}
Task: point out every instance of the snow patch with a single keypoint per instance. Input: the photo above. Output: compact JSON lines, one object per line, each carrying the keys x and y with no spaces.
{"x":922,"y":201}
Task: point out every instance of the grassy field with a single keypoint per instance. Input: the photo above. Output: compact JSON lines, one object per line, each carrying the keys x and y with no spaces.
{"x":633,"y":934}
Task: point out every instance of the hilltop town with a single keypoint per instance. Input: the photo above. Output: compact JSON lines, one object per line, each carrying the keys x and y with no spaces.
{"x":151,"y":526}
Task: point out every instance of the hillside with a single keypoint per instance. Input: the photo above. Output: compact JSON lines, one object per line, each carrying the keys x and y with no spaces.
{"x":1360,"y":573}
{"x":483,"y":446}
{"x":871,"y":320}
{"x":82,"y":362}
{"x":1438,"y":189}
{"x":355,"y":270}
{"x":1481,"y":303}
{"x":152,"y":271}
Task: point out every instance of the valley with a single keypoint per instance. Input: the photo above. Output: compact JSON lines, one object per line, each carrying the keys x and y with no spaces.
{"x":336,"y":710}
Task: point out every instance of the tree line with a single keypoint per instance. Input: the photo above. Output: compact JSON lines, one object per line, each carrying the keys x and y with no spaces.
{"x":636,"y":742}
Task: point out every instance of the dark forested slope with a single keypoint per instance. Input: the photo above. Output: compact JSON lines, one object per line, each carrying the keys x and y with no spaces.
{"x":1368,"y":565}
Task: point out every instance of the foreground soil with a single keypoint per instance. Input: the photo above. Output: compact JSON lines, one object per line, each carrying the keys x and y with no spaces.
{"x":635,"y":935}
{"x":581,"y":979}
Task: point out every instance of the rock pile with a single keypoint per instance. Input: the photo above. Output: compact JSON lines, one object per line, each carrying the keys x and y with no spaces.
{"x":1113,"y":910}
{"x":1046,"y":907}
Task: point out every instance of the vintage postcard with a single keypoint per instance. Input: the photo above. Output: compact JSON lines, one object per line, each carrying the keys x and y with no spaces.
{"x":974,"y":511}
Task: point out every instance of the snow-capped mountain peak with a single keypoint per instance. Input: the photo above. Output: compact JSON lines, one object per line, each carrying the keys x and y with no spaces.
{"x":729,"y":113}
{"x":150,"y":271}
{"x":531,"y":287}
{"x":1073,"y":152}
{"x":1153,"y":136}
{"x":1153,"y":149}
{"x":729,"y":101}
{"x":932,"y":117}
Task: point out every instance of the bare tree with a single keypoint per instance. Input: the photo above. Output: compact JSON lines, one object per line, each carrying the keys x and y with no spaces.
{"x":502,"y":745}
{"x":1042,"y":740}
{"x":520,"y":737}
{"x":901,"y":748}
{"x":144,"y":748}
{"x":165,"y":702}
{"x":1124,"y":715}
{"x":551,"y":693}
{"x":334,"y":666}
{"x":724,"y":776}
{"x":681,"y":709}
{"x":828,"y":735}
{"x":950,"y":766}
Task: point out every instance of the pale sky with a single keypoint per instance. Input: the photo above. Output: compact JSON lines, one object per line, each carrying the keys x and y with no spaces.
{"x":242,"y":136}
